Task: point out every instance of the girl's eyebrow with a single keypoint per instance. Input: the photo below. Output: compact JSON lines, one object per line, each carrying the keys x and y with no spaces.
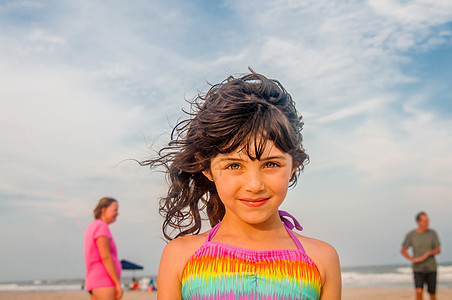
{"x":274,"y":157}
{"x":230,"y":159}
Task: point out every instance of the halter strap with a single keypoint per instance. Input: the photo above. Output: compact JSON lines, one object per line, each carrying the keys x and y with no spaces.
{"x":287,"y":224}
{"x":212,"y":232}
{"x":283,"y":214}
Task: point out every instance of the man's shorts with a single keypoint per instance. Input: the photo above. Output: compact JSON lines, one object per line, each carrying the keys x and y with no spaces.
{"x":429,"y":278}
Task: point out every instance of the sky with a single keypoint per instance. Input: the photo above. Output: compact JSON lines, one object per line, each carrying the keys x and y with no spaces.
{"x":87,"y":87}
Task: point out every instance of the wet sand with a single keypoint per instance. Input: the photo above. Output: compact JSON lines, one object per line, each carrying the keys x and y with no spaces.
{"x":390,"y":294}
{"x":348,"y":294}
{"x":71,"y":295}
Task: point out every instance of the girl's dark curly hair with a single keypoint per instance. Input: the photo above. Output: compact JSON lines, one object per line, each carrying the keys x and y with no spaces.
{"x":236,"y":114}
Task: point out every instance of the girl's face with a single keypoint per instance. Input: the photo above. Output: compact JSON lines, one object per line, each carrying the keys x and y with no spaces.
{"x":110,"y":213}
{"x":252,"y":190}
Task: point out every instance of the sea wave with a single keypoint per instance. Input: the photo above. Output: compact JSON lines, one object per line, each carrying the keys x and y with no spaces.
{"x":12,"y":287}
{"x":372,"y":278}
{"x":390,"y":276}
{"x":368,"y":276}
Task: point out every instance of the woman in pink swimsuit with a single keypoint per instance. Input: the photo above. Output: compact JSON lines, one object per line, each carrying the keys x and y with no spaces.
{"x":103,"y":269}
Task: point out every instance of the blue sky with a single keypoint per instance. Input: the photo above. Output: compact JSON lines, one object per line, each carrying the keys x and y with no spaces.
{"x":86,"y":86}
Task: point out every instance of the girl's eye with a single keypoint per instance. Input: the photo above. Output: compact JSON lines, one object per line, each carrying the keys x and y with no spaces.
{"x":271,"y":165}
{"x":233,"y":166}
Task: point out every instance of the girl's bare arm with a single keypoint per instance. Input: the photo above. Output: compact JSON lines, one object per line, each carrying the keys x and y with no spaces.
{"x":327,"y":261}
{"x":174,"y":258}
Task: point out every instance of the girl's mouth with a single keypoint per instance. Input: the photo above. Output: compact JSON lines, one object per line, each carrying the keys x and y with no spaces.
{"x":254,"y":202}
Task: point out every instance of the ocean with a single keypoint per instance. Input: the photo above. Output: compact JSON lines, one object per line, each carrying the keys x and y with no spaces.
{"x":65,"y":284}
{"x":391,"y":276}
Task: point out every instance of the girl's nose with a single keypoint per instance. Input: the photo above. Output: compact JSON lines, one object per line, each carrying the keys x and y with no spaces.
{"x":254,"y":181}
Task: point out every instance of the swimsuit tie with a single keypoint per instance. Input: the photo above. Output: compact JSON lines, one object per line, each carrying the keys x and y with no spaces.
{"x":287,"y":222}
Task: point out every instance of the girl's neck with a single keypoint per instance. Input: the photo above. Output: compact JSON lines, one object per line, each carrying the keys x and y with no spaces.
{"x":264,"y":236}
{"x":235,"y":224}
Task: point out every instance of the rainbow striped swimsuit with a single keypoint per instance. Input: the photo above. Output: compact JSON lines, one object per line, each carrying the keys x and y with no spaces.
{"x":222,"y":272}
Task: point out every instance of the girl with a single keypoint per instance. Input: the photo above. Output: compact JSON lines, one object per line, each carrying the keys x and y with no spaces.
{"x":235,"y":158}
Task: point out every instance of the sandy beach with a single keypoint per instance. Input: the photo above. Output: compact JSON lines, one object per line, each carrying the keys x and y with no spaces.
{"x":71,"y":295}
{"x":348,"y":294}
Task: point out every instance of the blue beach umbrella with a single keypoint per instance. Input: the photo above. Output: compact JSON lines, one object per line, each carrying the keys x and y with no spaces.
{"x":127,"y":265}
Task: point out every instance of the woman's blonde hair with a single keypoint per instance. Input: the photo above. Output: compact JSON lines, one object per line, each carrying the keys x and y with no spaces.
{"x":103,"y":203}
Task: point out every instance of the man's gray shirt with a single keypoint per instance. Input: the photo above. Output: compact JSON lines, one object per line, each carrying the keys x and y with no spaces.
{"x":421,"y":243}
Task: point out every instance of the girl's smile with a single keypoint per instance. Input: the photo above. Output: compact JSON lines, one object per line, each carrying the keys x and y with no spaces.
{"x":251,"y":189}
{"x":254,"y":203}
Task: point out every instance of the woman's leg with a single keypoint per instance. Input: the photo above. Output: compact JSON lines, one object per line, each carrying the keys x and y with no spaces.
{"x":105,"y":293}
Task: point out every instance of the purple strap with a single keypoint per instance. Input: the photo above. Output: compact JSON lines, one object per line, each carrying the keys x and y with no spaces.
{"x":212,"y":232}
{"x":289,"y":226}
{"x":283,"y":215}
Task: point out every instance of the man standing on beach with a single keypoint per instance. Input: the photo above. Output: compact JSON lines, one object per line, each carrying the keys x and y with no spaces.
{"x":425,"y":244}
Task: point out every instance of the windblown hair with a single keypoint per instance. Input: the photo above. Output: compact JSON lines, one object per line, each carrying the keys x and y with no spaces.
{"x":236,"y":114}
{"x":103,"y":203}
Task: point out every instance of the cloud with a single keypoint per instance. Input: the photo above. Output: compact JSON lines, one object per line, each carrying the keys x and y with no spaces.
{"x":418,"y":13}
{"x":364,"y":107}
{"x":86,"y":86}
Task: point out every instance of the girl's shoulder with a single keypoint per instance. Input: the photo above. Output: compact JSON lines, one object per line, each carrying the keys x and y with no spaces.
{"x":178,"y":251}
{"x":323,"y":255}
{"x":172,"y":263}
{"x":312,"y":245}
{"x":187,"y":244}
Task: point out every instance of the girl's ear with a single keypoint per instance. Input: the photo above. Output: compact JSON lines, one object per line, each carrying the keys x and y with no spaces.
{"x":208,"y":174}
